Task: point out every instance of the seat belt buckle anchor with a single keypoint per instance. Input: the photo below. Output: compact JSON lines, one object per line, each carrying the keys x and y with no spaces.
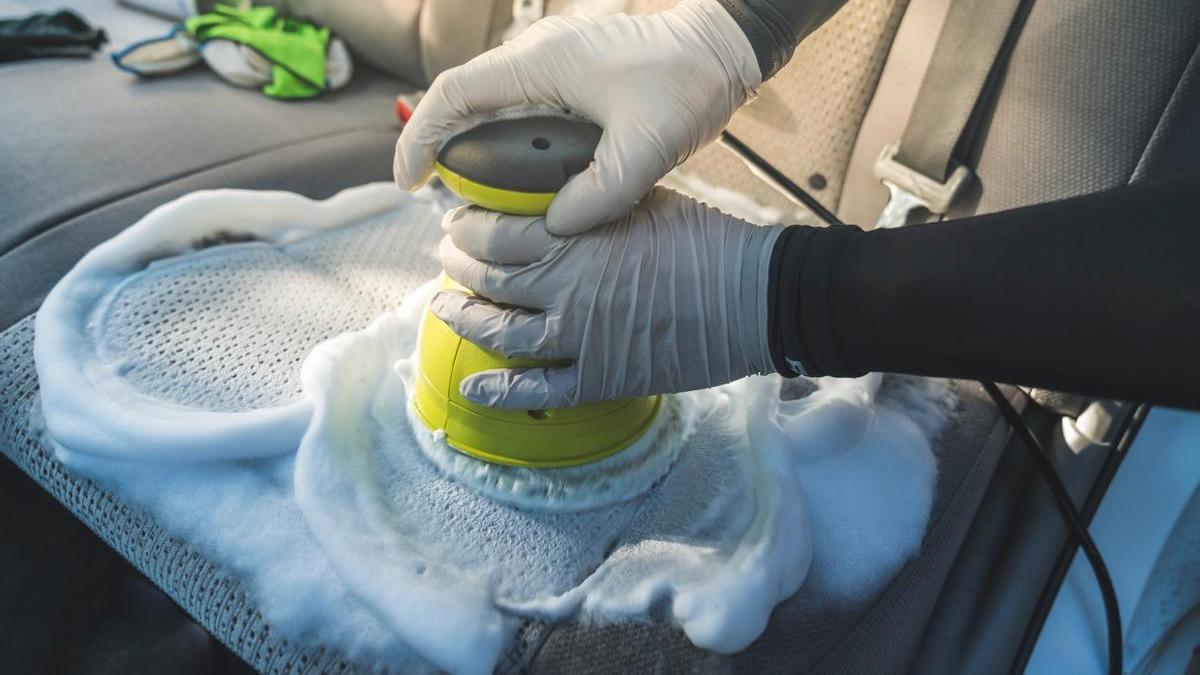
{"x":911,"y":190}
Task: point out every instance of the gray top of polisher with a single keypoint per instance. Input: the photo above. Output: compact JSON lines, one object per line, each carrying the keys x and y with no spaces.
{"x":526,"y":154}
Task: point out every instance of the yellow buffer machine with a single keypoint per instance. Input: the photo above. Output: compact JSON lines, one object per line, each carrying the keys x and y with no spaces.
{"x":515,"y":166}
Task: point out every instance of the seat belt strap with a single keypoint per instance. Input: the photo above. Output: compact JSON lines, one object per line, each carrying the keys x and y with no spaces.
{"x":923,"y":170}
{"x":863,"y":197}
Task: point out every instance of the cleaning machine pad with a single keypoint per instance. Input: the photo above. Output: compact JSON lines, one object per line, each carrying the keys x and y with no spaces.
{"x":240,"y":365}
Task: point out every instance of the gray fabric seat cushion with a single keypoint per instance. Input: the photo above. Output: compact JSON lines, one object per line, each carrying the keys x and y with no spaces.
{"x":79,"y":134}
{"x":808,"y":633}
{"x":73,"y":178}
{"x":76,"y":180}
{"x":89,"y":149}
{"x":804,"y":632}
{"x":145,"y":143}
{"x":213,"y":598}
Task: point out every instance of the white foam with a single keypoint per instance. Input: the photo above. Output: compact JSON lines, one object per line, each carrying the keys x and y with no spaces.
{"x":102,"y":398}
{"x":369,"y":549}
{"x":359,"y":466}
{"x":243,"y":516}
{"x":723,"y":539}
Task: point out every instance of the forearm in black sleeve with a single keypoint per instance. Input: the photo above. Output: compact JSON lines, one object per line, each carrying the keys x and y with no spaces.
{"x":775,"y":27}
{"x":1096,"y":295}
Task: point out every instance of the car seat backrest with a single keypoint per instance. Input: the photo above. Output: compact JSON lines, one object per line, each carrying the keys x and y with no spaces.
{"x":805,"y":119}
{"x":412,"y":39}
{"x":1096,"y":93}
{"x":1088,"y":88}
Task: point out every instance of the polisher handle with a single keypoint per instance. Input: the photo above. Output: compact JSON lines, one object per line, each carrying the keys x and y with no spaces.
{"x":517,"y":165}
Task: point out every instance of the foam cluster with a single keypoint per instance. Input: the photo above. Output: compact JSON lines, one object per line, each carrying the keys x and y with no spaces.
{"x":311,"y":482}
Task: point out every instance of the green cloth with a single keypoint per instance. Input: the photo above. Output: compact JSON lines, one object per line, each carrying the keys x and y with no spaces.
{"x":296,"y":48}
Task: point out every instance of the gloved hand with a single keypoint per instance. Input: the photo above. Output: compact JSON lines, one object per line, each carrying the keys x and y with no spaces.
{"x":660,"y":85}
{"x":671,"y":298}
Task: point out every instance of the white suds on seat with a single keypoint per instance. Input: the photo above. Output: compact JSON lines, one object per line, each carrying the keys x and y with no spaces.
{"x":360,"y":543}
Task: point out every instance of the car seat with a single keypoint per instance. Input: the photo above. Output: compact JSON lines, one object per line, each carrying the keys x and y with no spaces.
{"x":1097,"y":93}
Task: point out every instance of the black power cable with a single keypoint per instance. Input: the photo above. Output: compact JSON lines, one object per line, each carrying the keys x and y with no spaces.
{"x":1112,"y":611}
{"x":773,"y":175}
{"x":1062,"y":498}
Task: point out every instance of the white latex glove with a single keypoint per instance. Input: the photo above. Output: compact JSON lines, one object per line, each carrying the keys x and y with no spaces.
{"x":671,"y":298}
{"x":660,"y":85}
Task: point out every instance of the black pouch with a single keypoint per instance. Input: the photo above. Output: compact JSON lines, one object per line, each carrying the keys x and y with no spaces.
{"x":63,"y":33}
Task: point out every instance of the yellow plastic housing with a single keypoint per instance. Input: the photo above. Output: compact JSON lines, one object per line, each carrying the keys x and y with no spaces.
{"x":533,"y":438}
{"x":495,"y":199}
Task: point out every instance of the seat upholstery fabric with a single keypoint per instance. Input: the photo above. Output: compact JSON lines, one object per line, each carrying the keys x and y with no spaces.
{"x":75,"y":180}
{"x":88,"y":151}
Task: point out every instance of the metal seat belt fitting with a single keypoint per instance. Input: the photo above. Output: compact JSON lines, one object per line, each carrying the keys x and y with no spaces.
{"x":910,"y":190}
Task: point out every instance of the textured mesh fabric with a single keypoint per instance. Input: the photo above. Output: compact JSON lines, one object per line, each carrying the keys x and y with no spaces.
{"x":229,"y":331}
{"x":806,"y":118}
{"x":809,"y":633}
{"x":529,"y":553}
{"x":209,"y":594}
{"x":1088,"y":84}
{"x":1062,"y":127}
{"x":823,"y":127}
{"x":716,"y":165}
{"x":1175,"y":143}
{"x":798,"y":634}
{"x":221,"y":605}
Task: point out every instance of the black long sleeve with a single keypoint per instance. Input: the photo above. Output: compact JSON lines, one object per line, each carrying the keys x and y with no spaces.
{"x":775,"y":27}
{"x":1096,"y":295}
